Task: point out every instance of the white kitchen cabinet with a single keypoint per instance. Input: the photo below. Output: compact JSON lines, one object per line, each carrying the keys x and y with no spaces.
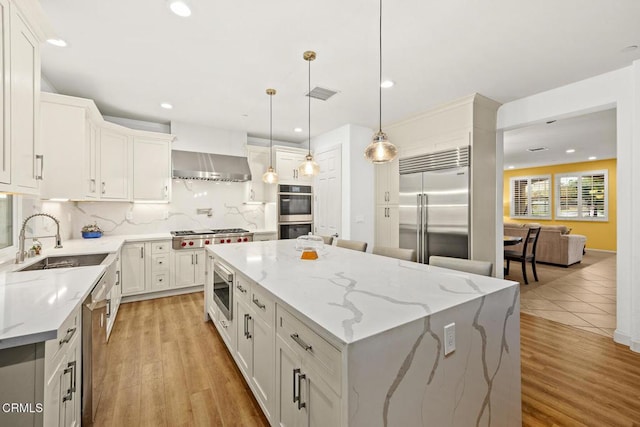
{"x":287,"y":162}
{"x":244,"y":342}
{"x":91,"y":164}
{"x":387,"y":226}
{"x":151,"y":169}
{"x":133,"y":268}
{"x":114,"y":165}
{"x":63,"y":375}
{"x":387,"y":183}
{"x":302,"y":396}
{"x":257,"y":190}
{"x":5,"y":138}
{"x":189,"y":267}
{"x":26,"y":158}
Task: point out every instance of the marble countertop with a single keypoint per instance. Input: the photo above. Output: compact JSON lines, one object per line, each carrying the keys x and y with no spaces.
{"x":33,"y":304}
{"x":354,"y":295}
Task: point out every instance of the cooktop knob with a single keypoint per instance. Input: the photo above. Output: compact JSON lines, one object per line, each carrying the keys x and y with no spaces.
{"x":183,"y":244}
{"x":190,"y":243}
{"x":206,"y":242}
{"x":228,"y":240}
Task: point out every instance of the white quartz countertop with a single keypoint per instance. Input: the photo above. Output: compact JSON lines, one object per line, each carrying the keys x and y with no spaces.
{"x":350,"y":294}
{"x":33,"y":304}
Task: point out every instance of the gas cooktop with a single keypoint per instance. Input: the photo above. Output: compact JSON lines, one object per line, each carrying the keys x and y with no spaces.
{"x":209,"y":231}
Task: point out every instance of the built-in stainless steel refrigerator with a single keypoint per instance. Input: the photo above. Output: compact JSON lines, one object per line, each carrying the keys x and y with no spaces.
{"x":434,"y":204}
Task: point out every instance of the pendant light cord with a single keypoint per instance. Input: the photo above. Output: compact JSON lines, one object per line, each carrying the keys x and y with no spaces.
{"x":309,"y":95}
{"x":380,"y":82}
{"x":270,"y":130}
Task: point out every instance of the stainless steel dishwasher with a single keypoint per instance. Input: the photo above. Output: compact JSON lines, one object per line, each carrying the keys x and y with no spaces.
{"x":95,"y":310}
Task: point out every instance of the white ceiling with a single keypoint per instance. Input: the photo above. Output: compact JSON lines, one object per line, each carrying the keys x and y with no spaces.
{"x":214,"y":67}
{"x":589,"y":135}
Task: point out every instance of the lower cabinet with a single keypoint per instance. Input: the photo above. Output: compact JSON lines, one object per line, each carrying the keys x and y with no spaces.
{"x":387,"y":226}
{"x":294,"y":373}
{"x":63,"y":373}
{"x":303,"y":397}
{"x":149,"y":267}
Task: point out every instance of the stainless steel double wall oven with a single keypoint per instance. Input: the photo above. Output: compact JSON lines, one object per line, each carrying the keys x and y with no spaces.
{"x":295,"y":210}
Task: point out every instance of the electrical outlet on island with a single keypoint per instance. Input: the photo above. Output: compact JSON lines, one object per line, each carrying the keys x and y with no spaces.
{"x":449,"y":338}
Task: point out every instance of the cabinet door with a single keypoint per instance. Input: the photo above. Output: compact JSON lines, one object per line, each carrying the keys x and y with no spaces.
{"x":114,"y":165}
{"x":263,"y":376}
{"x":387,"y":226}
{"x":200,"y":264}
{"x":5,"y":138}
{"x":286,"y":167}
{"x":244,"y":341}
{"x":133,"y":268}
{"x":322,"y":405}
{"x":25,"y":100}
{"x":73,"y":375}
{"x":287,"y":362}
{"x":185,"y":267}
{"x":258,"y":163}
{"x":54,"y":390}
{"x":91,"y":161}
{"x":151,"y":170}
{"x":387,"y":181}
{"x":210,"y":305}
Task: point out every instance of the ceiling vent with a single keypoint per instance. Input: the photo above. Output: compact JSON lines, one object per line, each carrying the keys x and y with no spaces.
{"x":533,"y":150}
{"x":321,"y":93}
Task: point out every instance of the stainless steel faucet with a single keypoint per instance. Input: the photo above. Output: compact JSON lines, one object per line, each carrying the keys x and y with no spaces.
{"x":21,"y":252}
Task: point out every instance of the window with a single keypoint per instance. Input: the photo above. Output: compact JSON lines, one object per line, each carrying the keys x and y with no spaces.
{"x":531,"y":197}
{"x":582,"y":196}
{"x":6,"y":221}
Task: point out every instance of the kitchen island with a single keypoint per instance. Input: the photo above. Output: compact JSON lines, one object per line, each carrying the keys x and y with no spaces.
{"x":356,"y":339}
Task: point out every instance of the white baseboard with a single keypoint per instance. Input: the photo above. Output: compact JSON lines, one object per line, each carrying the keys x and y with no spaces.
{"x":600,"y":250}
{"x":621,"y":338}
{"x":162,"y":294}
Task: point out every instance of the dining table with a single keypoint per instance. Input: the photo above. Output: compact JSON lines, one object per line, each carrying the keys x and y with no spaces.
{"x":512,"y":240}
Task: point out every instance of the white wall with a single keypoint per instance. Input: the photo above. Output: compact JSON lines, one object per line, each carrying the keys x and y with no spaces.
{"x":206,"y":139}
{"x":619,"y":89}
{"x":139,"y":124}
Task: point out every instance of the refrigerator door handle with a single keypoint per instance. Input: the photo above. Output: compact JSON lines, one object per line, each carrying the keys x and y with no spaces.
{"x":419,"y":228}
{"x":425,"y":228}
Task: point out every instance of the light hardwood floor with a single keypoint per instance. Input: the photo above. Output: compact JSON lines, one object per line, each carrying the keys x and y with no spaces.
{"x":169,"y":368}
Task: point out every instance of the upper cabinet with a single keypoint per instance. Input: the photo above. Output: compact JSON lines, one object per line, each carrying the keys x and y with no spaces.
{"x":258,"y":190}
{"x":113,"y":162}
{"x":21,"y":159}
{"x":387,"y":179}
{"x":287,"y":162}
{"x":151,"y":168}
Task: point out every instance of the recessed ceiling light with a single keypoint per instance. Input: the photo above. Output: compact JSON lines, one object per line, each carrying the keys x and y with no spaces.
{"x":166,"y":106}
{"x":387,"y":84}
{"x":180,"y":8}
{"x":571,"y":150}
{"x":629,"y":48}
{"x":592,"y":157}
{"x":57,"y":42}
{"x":512,"y":167}
{"x":297,"y":129}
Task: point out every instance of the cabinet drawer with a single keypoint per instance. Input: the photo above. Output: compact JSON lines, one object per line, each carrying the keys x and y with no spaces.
{"x":160,"y":247}
{"x":159,"y":262}
{"x":242,"y":289}
{"x":262,"y":304}
{"x":160,"y":280}
{"x":67,"y":332}
{"x":312,"y":348}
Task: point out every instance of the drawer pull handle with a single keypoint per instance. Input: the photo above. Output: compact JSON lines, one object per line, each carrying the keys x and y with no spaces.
{"x":67,"y":337}
{"x":301,"y":343}
{"x":257,"y":302}
{"x":241,"y":289}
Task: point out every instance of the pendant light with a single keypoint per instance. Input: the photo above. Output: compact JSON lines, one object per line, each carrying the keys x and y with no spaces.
{"x":270,"y":176}
{"x":309,"y":167}
{"x":380,"y":150}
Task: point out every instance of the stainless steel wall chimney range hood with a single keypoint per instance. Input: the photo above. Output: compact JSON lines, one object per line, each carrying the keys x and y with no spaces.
{"x":209,"y":167}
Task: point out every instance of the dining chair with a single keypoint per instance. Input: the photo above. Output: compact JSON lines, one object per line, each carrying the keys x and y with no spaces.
{"x":328,"y":240}
{"x":399,"y":253}
{"x":482,"y":268}
{"x":352,"y":244}
{"x":528,"y":253}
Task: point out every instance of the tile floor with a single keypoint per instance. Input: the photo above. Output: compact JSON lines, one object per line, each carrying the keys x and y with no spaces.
{"x":584,"y":297}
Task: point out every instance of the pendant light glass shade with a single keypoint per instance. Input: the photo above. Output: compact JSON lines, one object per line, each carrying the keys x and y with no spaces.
{"x":309,"y":167}
{"x":380,"y":150}
{"x":270,"y":176}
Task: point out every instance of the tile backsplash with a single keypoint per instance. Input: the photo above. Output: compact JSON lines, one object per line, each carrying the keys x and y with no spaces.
{"x":224,"y":200}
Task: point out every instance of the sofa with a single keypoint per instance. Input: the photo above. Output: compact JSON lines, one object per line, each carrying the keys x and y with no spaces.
{"x":555,"y":245}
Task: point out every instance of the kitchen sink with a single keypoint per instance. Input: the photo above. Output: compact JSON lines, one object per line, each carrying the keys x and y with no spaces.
{"x":66,"y":262}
